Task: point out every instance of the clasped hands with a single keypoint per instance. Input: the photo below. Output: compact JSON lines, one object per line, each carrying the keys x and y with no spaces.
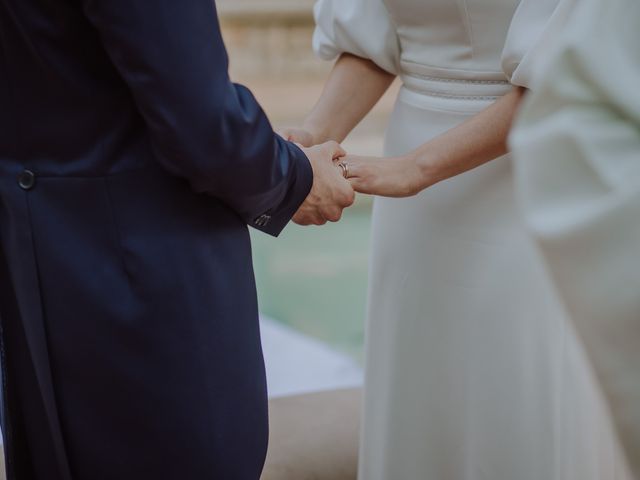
{"x":334,"y":186}
{"x":331,"y":192}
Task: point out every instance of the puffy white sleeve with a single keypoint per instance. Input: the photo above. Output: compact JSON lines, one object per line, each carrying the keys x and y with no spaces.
{"x":360,"y":27}
{"x":535,"y":30}
{"x":577,"y":150}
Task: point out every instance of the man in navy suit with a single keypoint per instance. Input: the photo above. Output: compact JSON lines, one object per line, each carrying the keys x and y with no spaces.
{"x":130,"y":167}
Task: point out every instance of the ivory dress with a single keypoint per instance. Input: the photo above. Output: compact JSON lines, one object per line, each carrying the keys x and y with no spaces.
{"x":580,"y":191}
{"x":473,"y":371}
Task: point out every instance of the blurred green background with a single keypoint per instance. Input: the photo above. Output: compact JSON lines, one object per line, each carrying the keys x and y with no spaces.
{"x":315,"y":278}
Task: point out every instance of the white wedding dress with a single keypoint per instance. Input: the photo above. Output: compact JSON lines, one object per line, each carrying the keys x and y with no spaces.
{"x":473,"y":371}
{"x":580,"y":192}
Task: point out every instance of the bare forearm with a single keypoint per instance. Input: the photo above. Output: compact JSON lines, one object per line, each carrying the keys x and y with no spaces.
{"x":354,"y":87}
{"x":471,"y":144}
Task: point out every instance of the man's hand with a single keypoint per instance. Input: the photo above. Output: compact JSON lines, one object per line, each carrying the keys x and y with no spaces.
{"x":331,"y":193}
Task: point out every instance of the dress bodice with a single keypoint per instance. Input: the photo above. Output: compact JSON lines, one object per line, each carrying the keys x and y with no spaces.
{"x":473,"y":40}
{"x":452,"y":36}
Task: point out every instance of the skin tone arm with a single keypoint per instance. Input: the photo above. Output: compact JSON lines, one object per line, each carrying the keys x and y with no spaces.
{"x":479,"y":140}
{"x":354,"y":87}
{"x":329,"y":121}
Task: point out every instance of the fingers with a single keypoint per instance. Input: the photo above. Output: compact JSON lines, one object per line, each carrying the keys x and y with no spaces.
{"x":297,"y":135}
{"x":284,"y":132}
{"x":348,"y":195}
{"x":319,"y":216}
{"x":307,"y":218}
{"x":361,"y":173}
{"x":331,"y":193}
{"x":386,"y":178}
{"x":357,"y":166}
{"x":374,"y":186}
{"x":360,"y":185}
{"x":333,"y":214}
{"x":344,"y":194}
{"x":287,"y":134}
{"x":335,"y":150}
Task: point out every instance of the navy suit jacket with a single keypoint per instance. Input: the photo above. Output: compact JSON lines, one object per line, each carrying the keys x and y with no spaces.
{"x":130,"y":166}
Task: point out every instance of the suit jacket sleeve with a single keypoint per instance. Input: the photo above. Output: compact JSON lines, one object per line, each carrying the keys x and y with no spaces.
{"x":202,"y":126}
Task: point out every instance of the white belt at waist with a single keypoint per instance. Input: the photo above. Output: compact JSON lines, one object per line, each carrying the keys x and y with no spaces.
{"x":455,"y":84}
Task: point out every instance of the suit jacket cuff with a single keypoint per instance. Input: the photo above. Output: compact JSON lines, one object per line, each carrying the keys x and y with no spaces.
{"x":274,"y":221}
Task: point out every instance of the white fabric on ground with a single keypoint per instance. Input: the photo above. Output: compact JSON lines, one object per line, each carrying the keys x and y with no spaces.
{"x":298,"y":364}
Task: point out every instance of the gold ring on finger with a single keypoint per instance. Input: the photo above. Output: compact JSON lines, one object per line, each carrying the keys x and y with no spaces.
{"x":345,"y":169}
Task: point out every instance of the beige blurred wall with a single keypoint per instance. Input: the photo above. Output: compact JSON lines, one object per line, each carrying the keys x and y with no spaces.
{"x":269,"y":44}
{"x":270,"y":39}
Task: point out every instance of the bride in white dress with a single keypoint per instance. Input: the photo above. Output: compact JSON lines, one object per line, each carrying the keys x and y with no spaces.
{"x":473,"y":372}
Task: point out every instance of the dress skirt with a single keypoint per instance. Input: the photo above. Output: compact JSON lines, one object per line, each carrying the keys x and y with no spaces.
{"x":473,"y":371}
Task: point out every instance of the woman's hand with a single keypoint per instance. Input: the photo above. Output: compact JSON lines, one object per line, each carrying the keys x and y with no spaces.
{"x":301,"y":136}
{"x":387,"y":177}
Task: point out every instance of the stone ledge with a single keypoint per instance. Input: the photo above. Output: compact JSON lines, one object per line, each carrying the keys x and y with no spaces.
{"x":254,"y":12}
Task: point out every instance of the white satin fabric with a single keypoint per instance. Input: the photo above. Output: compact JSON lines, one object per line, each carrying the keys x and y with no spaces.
{"x":473,"y":371}
{"x":578,"y":172}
